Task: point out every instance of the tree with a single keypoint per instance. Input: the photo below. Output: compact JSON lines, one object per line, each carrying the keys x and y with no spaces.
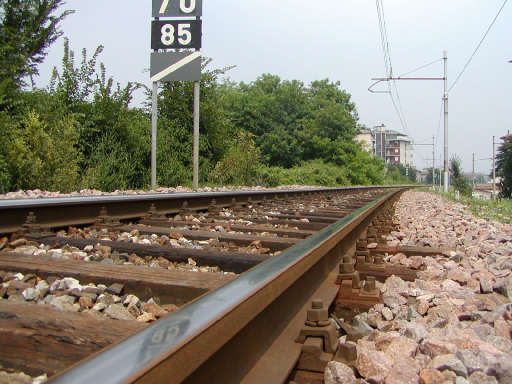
{"x":292,"y":122}
{"x":400,"y":174}
{"x":459,"y":182}
{"x":504,"y":167}
{"x":428,"y":178}
{"x":27,"y":29}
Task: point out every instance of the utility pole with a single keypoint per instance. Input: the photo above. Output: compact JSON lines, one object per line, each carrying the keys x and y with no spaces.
{"x":433,"y":162}
{"x":473,"y":173}
{"x":383,"y":143}
{"x":445,"y":98}
{"x":493,"y":167}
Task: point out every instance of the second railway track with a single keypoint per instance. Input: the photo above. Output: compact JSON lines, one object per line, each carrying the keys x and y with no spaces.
{"x":255,"y":282}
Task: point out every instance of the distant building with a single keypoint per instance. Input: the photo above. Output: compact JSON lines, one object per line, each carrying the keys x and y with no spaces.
{"x":365,"y":138}
{"x":421,"y":176}
{"x":393,"y":147}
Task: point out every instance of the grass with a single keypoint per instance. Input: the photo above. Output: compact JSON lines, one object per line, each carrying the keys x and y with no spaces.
{"x":498,"y":210}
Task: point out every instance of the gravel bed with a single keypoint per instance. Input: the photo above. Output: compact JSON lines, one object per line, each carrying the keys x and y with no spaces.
{"x":39,"y":194}
{"x":453,"y":324}
{"x":230,"y":217}
{"x":174,"y":240}
{"x":67,"y":294}
{"x":11,"y":377}
{"x":104,"y":254}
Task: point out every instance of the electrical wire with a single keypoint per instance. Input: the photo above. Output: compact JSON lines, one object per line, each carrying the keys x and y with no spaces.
{"x":397,"y":104}
{"x":401,"y":113}
{"x":478,"y":46}
{"x":406,"y":128}
{"x":421,"y":67}
{"x":439,"y":126}
{"x":383,"y":41}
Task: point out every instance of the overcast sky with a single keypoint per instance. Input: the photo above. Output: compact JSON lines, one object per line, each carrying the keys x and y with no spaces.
{"x":339,"y":40}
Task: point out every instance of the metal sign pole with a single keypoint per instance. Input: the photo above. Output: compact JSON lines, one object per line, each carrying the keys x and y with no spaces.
{"x":433,"y":162}
{"x":445,"y":98}
{"x":154,"y":128}
{"x":197,"y":90}
{"x":176,"y":39}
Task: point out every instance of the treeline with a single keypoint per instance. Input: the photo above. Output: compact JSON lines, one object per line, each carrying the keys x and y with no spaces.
{"x":81,"y":131}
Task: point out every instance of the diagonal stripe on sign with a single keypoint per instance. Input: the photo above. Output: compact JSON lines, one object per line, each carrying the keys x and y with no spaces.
{"x":179,"y":64}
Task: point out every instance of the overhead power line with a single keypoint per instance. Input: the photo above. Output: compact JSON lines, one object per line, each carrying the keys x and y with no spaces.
{"x":421,"y":67}
{"x":439,"y":123}
{"x":397,"y":104}
{"x":478,"y":46}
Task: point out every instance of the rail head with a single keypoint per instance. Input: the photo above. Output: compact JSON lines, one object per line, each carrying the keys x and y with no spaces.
{"x":168,"y":341}
{"x":68,"y":211}
{"x":127,"y":198}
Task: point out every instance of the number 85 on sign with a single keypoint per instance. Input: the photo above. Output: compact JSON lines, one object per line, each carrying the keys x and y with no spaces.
{"x":176,"y":34}
{"x":177,"y":8}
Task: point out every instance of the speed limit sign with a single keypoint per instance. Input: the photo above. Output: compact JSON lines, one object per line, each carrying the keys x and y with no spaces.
{"x":176,"y":26}
{"x":176,"y":34}
{"x":177,"y":8}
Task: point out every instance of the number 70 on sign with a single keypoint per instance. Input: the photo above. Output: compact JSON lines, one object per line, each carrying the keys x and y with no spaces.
{"x":177,"y":8}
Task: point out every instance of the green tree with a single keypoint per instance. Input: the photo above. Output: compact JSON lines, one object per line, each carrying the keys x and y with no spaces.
{"x":504,"y":167}
{"x":458,"y":181}
{"x":292,"y":122}
{"x":403,"y":174}
{"x":428,"y":178}
{"x":27,"y":29}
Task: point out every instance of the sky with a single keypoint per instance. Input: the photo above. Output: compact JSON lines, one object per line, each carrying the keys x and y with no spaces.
{"x":340,"y":40}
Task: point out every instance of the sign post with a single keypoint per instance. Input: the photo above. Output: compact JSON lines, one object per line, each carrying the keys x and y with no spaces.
{"x":154,"y":129}
{"x":197,"y":89}
{"x":176,"y":38}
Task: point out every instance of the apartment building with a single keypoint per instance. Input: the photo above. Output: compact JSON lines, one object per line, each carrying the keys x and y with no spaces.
{"x":392,"y":146}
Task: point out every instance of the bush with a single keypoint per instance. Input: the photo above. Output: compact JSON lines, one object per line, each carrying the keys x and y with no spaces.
{"x":5,"y":176}
{"x":239,"y":166}
{"x":314,"y":172}
{"x":45,"y":156}
{"x":111,"y":167}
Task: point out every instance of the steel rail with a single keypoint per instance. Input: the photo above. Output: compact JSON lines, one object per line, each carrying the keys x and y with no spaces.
{"x":67,"y":211}
{"x":231,"y":325}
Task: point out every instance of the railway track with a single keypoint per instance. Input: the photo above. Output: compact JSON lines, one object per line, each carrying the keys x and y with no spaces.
{"x":247,"y":287}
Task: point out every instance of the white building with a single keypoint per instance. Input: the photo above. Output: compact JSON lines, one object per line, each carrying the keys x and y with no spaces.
{"x":365,"y":138}
{"x":392,"y":146}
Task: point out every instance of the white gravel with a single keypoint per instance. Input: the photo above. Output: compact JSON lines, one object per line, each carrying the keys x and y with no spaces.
{"x":68,"y":294}
{"x":39,"y":194}
{"x":454,"y":323}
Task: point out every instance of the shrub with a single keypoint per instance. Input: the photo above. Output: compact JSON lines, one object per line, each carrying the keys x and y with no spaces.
{"x":314,"y":172}
{"x":239,"y":166}
{"x":44,"y":156}
{"x":5,"y":176}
